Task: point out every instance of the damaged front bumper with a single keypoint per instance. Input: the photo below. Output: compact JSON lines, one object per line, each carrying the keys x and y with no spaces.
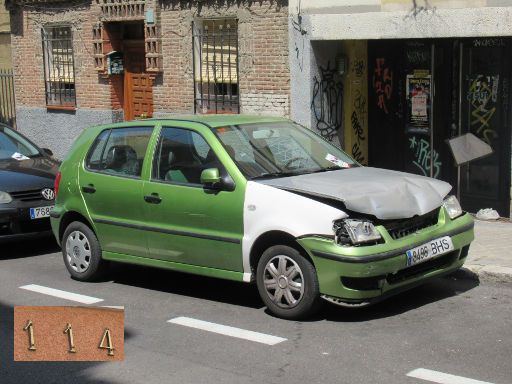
{"x":364,"y":274}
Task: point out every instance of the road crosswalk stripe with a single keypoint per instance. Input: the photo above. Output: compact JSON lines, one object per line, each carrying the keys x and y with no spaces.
{"x":61,"y":294}
{"x":227,"y":330}
{"x":442,"y":378}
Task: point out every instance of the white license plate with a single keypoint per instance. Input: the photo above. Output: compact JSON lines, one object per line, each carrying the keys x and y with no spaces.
{"x":433,"y":248}
{"x":40,"y":212}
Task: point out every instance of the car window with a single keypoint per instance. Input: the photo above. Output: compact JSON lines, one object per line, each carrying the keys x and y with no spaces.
{"x":120,"y":151}
{"x":96,"y":152}
{"x":15,"y":146}
{"x":182,"y":155}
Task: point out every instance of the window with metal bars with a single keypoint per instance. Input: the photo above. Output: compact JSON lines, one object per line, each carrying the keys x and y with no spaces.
{"x":59,"y":66}
{"x":215,"y":51}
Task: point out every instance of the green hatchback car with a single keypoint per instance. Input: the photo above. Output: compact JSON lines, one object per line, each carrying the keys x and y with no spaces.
{"x":253,"y":199}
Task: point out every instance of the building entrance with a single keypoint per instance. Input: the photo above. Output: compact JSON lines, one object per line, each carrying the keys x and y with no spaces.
{"x":424,"y":92}
{"x":132,"y":85}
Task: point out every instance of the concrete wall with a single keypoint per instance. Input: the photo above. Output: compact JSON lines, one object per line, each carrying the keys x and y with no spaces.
{"x":5,"y":25}
{"x":5,"y":51}
{"x":5,"y":37}
{"x":57,"y":130}
{"x":264,"y":75}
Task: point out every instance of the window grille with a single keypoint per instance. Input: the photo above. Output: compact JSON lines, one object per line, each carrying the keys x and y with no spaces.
{"x":59,"y":70}
{"x":215,"y":51}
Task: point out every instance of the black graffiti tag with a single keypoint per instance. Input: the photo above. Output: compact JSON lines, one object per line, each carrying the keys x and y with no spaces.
{"x":358,"y":67}
{"x":359,"y":134}
{"x":327,"y":102}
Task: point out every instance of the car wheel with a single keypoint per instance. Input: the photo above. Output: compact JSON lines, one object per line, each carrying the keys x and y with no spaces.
{"x":287,"y":283}
{"x":82,"y":253}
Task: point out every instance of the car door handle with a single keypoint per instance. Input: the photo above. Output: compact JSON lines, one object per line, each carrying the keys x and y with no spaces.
{"x":153,"y":198}
{"x":89,"y":189}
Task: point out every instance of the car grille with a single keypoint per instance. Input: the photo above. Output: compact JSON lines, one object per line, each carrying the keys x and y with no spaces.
{"x":33,"y":195}
{"x":401,"y":228}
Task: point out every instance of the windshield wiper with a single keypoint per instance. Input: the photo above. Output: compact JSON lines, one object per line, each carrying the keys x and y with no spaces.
{"x":275,"y":174}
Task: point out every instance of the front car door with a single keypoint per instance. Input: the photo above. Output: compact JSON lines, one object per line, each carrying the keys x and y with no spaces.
{"x":188,"y":223}
{"x":111,"y":186}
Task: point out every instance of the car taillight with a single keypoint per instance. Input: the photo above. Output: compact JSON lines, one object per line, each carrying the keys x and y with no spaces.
{"x":56,"y":184}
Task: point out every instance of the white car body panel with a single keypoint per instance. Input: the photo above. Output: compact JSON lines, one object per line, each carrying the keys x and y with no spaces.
{"x":267,"y":208}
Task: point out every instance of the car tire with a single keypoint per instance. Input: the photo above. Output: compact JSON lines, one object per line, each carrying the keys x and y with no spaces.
{"x":81,"y":251}
{"x":284,"y":275}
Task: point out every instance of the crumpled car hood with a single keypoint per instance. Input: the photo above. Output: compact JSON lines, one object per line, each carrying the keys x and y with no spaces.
{"x":379,"y":192}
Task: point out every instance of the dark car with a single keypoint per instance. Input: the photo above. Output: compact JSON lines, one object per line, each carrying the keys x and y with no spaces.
{"x":27,"y":176}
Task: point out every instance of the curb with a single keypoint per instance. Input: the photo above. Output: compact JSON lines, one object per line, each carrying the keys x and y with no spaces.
{"x":491,"y":273}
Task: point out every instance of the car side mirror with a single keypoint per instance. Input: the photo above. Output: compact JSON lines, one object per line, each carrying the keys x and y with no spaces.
{"x":47,"y":151}
{"x":210,"y":177}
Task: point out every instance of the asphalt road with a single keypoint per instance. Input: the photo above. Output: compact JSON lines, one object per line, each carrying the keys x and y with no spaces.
{"x":453,"y":325}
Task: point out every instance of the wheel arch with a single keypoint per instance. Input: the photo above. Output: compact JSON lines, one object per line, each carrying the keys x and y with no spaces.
{"x":68,"y":218}
{"x":269,"y":239}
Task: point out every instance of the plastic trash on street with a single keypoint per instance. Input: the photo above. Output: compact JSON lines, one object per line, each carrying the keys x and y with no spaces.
{"x":487,"y":214}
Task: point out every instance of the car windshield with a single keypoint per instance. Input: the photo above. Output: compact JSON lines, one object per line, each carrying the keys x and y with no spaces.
{"x":15,"y":146}
{"x":280,"y":149}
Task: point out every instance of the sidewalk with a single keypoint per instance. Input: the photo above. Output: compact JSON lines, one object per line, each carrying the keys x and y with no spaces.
{"x":490,"y":255}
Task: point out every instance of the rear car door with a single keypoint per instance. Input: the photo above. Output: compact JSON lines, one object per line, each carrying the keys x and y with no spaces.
{"x":188,"y":223}
{"x":111,"y":186}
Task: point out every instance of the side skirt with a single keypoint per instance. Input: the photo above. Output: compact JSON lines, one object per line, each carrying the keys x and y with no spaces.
{"x":187,"y":268}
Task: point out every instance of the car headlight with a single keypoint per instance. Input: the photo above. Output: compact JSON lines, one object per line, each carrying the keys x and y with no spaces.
{"x":452,"y":206}
{"x":358,"y":231}
{"x":5,"y":198}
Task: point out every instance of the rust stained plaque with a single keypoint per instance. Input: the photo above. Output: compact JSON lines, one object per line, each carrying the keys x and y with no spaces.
{"x":68,"y":334}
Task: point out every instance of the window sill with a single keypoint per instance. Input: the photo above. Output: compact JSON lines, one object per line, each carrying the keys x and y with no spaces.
{"x":61,"y":107}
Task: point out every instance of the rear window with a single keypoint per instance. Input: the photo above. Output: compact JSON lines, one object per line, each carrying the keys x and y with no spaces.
{"x":119,"y":151}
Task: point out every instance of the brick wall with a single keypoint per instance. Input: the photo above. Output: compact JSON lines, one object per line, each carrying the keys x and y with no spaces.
{"x":92,"y":90}
{"x":263,"y":55}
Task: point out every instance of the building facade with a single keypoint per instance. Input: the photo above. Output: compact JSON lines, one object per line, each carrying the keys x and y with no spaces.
{"x":392,"y":80}
{"x":5,"y":38}
{"x":7,"y":102}
{"x":81,"y":63}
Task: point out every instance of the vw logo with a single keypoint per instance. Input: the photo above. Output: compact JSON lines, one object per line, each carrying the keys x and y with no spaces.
{"x":48,"y":194}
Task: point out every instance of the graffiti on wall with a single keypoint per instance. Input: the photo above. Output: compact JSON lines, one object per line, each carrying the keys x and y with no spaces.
{"x":505,"y":93}
{"x":357,"y":120}
{"x":382,"y":83}
{"x":358,"y":67}
{"x":420,"y":7}
{"x":489,"y":42}
{"x":483,"y":96}
{"x":421,"y":156}
{"x":327,"y":102}
{"x":417,"y":56}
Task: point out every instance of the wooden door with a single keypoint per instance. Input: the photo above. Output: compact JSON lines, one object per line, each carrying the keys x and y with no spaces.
{"x":138,"y":85}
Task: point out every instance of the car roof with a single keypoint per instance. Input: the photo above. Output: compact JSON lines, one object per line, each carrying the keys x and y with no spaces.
{"x":215,"y":121}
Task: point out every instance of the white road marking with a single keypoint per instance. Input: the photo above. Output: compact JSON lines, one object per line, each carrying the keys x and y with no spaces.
{"x":442,"y":378}
{"x":227,"y":330}
{"x":61,"y":294}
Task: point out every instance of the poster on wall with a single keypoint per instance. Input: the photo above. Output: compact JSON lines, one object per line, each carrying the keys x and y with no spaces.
{"x":418,"y":87}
